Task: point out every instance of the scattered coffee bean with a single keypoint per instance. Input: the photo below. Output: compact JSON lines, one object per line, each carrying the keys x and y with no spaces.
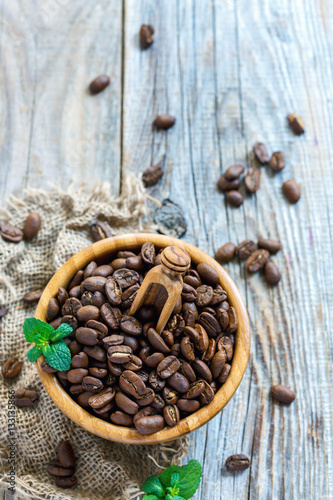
{"x":283,"y":394}
{"x":164,"y":121}
{"x":10,"y":233}
{"x":170,"y":219}
{"x":224,"y":185}
{"x":66,"y":454}
{"x":296,"y":124}
{"x":3,"y":310}
{"x":66,"y":482}
{"x":237,"y":462}
{"x":291,"y":190}
{"x":99,"y":231}
{"x":152,"y":175}
{"x":272,"y":246}
{"x":252,"y":180}
{"x":32,"y":225}
{"x":233,"y":172}
{"x":25,"y":398}
{"x":272,"y":273}
{"x":33,"y":296}
{"x":260,"y":152}
{"x":257,"y":260}
{"x":57,"y":470}
{"x":11,"y":368}
{"x":234,"y":198}
{"x":277,"y":161}
{"x":99,"y":84}
{"x":225,"y":253}
{"x":146,"y":35}
{"x":245,"y":249}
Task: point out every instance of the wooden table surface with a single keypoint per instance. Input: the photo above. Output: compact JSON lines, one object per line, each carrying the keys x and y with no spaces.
{"x":230,"y":71}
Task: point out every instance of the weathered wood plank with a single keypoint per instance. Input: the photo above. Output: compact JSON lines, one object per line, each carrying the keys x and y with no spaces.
{"x":52,"y":130}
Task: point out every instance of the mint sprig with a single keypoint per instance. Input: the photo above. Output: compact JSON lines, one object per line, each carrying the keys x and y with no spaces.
{"x":48,"y":342}
{"x":175,"y":483}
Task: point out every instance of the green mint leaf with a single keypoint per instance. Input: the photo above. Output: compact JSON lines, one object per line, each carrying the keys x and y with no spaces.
{"x":165,"y":477}
{"x":36,"y":330}
{"x":62,"y":331}
{"x":58,"y":355}
{"x":175,"y":478}
{"x":153,"y":485}
{"x":190,"y":477}
{"x":178,"y":497}
{"x":34,"y":353}
{"x":169,"y":497}
{"x":150,"y":497}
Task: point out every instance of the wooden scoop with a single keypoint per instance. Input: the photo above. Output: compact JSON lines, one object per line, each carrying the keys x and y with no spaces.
{"x":168,"y":275}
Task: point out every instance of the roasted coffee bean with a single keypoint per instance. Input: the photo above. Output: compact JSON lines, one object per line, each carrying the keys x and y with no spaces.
{"x":62,"y":296}
{"x":156,"y":382}
{"x":103,"y":398}
{"x":99,"y":84}
{"x":170,"y":219}
{"x":158,"y":403}
{"x":219,"y":295}
{"x":86,"y":313}
{"x":245,"y":249}
{"x":224,"y":343}
{"x":100,"y":230}
{"x":65,"y":482}
{"x":178,"y":382}
{"x":135,"y":263}
{"x":252,"y":180}
{"x":77,"y":279}
{"x":225,"y":253}
{"x":210,"y":351}
{"x":105,"y":271}
{"x":70,"y":320}
{"x":86,"y":336}
{"x":33,"y":296}
{"x":146,"y":35}
{"x":157,"y":342}
{"x":56,"y":323}
{"x":224,"y":373}
{"x":147,"y":411}
{"x":111,"y":316}
{"x":115,"y":369}
{"x":190,"y":313}
{"x":175,"y":350}
{"x":152,"y":175}
{"x":113,"y":340}
{"x":100,"y":328}
{"x":171,"y":415}
{"x":10,"y":233}
{"x":76,"y":375}
{"x":119,"y":354}
{"x":70,"y":307}
{"x":130,"y":325}
{"x":218,"y":363}
{"x":237,"y":462}
{"x":195,"y":389}
{"x":233,"y":320}
{"x":148,"y":252}
{"x":66,"y":454}
{"x":168,"y":337}
{"x":188,"y":405}
{"x":3,"y":311}
{"x":272,"y":246}
{"x":233,"y":172}
{"x":296,"y":124}
{"x":75,"y":292}
{"x":125,"y":277}
{"x":209,"y":310}
{"x":260,"y":152}
{"x":132,"y":384}
{"x":104,"y":411}
{"x":92,"y":384}
{"x":128,"y":296}
{"x":89,"y":269}
{"x":74,"y":347}
{"x":144,"y":375}
{"x":224,"y":185}
{"x":198,"y":335}
{"x":283,"y":394}
{"x":168,"y":366}
{"x":52,"y":309}
{"x":154,"y":359}
{"x":192,"y":278}
{"x":234,"y":198}
{"x":257,"y":260}
{"x":80,"y":360}
{"x":164,"y":121}
{"x":121,"y":418}
{"x":58,"y":470}
{"x":131,"y":342}
{"x":83,"y":399}
{"x":95,"y":284}
{"x":118,"y":264}
{"x":291,"y":190}
{"x":25,"y":398}
{"x":95,"y":352}
{"x":11,"y":368}
{"x":210,"y":324}
{"x":204,"y":295}
{"x":176,"y":324}
{"x":170,"y":396}
{"x":147,"y":398}
{"x":113,"y":292}
{"x":93,"y":299}
{"x":207,"y":394}
{"x":187,"y":370}
{"x":208,"y":274}
{"x":189,"y":294}
{"x":187,"y":348}
{"x":150,"y":424}
{"x":94,"y":371}
{"x":277,"y":161}
{"x":62,"y":375}
{"x":203,"y":370}
{"x":126,"y":404}
{"x":47,"y":368}
{"x":272,"y":273}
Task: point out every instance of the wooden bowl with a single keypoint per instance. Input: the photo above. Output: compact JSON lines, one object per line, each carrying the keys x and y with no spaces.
{"x":105,"y":249}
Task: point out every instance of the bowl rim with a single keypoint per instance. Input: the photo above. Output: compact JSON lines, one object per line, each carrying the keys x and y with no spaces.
{"x":108,"y":430}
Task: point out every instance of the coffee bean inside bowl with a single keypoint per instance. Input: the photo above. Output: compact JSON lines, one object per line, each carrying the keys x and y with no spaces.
{"x":122,"y":370}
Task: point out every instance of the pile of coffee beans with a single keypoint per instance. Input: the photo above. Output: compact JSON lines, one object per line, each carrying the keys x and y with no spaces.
{"x":256,"y":255}
{"x":63,"y":469}
{"x":122,"y":370}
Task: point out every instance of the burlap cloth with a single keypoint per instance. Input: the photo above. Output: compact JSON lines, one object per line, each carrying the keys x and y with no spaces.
{"x":105,"y":470}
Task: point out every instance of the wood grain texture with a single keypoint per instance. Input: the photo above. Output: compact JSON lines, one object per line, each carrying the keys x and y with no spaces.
{"x":230,"y":71}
